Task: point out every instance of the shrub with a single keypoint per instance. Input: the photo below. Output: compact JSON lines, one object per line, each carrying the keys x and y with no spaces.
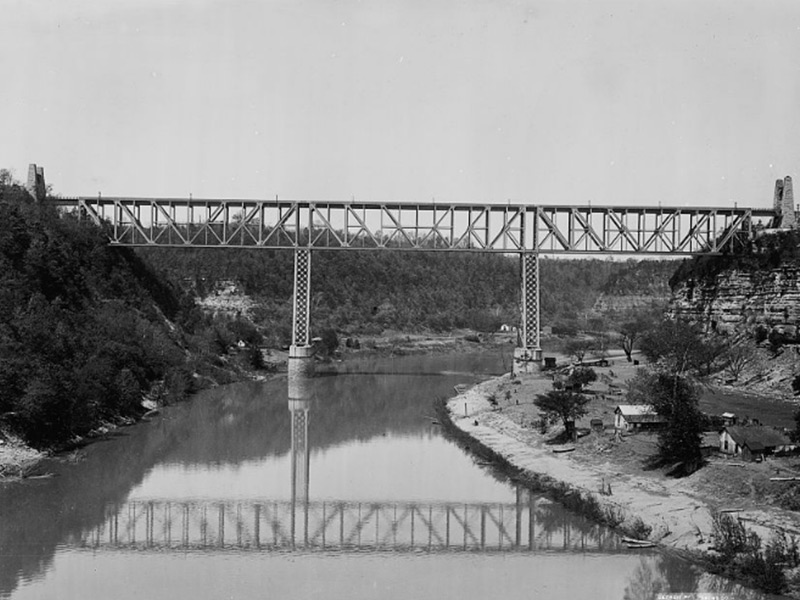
{"x":579,"y":378}
{"x":330,"y":341}
{"x":638,"y":529}
{"x":731,"y":537}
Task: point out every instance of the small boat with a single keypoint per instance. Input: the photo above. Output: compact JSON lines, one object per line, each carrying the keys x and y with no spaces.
{"x":561,"y":450}
{"x":634,"y":543}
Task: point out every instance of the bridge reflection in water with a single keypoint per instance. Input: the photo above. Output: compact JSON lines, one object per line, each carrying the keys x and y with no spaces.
{"x":529,"y":524}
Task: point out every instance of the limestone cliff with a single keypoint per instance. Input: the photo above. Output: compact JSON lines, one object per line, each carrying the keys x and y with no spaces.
{"x":639,"y":285}
{"x":741,"y":300}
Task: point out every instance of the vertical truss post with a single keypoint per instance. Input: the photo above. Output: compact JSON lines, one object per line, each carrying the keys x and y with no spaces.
{"x":529,"y":354}
{"x":301,"y":348}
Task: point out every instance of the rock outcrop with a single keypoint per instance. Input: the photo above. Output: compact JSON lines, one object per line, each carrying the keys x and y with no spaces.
{"x":740,"y":300}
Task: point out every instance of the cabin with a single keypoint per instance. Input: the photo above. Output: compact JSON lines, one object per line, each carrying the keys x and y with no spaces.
{"x":635,"y":417}
{"x":753,"y":442}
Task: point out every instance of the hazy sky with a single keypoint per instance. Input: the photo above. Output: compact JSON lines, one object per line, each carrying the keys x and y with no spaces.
{"x":639,"y":102}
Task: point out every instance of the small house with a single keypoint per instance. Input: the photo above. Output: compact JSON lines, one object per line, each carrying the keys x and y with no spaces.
{"x":753,"y":442}
{"x":728,"y":418}
{"x":634,"y":417}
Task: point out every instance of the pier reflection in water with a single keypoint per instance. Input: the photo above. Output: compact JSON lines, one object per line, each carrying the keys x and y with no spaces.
{"x":529,"y":524}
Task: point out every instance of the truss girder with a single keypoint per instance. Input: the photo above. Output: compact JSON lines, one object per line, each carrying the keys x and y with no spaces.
{"x":403,"y":526}
{"x":431,"y":226}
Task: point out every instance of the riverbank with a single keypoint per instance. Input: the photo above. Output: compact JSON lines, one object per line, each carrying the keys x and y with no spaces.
{"x":20,"y":461}
{"x":607,"y":469}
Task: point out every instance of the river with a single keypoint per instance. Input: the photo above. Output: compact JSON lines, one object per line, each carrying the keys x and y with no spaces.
{"x":341,"y":486}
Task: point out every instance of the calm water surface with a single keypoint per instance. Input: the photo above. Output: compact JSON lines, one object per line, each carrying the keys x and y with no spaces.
{"x":337,"y":487}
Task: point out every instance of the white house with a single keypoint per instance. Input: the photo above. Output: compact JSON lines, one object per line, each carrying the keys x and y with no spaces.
{"x":630,"y":417}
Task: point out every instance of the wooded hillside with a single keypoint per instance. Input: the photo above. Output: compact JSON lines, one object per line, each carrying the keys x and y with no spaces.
{"x":366,"y":292}
{"x":85,"y":329}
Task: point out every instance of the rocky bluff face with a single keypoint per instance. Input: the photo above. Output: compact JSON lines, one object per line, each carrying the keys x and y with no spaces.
{"x":742,"y":299}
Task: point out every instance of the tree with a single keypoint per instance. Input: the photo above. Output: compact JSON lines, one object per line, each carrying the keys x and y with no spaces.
{"x":579,"y":378}
{"x":7,"y":178}
{"x":679,"y":347}
{"x":578,"y":348}
{"x":675,"y":398}
{"x":330,"y":341}
{"x":737,"y":358}
{"x":563,"y":404}
{"x":630,"y":332}
{"x":709,"y":355}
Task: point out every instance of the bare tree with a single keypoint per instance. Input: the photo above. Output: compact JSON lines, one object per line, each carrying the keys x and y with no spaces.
{"x":630,"y":332}
{"x":737,"y":358}
{"x":578,"y":348}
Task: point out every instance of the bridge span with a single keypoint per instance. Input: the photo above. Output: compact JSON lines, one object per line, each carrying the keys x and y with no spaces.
{"x":524,"y":229}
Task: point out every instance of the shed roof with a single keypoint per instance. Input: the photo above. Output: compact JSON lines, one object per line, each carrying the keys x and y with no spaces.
{"x":640,"y":413}
{"x":757,"y":437}
{"x":636,"y":409}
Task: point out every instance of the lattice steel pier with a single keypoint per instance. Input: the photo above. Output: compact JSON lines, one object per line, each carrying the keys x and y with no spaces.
{"x":530,"y":352}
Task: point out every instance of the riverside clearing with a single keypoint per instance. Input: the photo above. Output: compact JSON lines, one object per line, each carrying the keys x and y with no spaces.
{"x":679,"y":511}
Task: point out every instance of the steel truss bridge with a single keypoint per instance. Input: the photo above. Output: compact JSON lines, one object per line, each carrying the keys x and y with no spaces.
{"x":530,"y":525}
{"x":406,"y":226}
{"x":526,"y":230}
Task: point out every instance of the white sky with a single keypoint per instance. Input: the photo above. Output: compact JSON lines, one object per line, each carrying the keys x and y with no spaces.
{"x":640,"y":102}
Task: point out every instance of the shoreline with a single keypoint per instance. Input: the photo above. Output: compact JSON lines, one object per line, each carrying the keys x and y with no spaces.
{"x":675,"y":514}
{"x":685,"y":525}
{"x":16,"y":455}
{"x":19,"y":462}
